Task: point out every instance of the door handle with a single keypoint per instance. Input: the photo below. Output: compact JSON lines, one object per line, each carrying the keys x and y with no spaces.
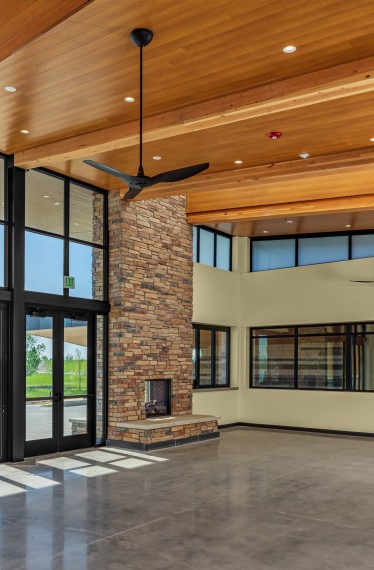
{"x":57,"y":397}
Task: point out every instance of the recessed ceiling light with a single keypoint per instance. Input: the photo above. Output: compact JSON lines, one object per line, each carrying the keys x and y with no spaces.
{"x":304,"y":155}
{"x":46,"y":196}
{"x":289,"y":221}
{"x":24,"y":132}
{"x":129,"y":99}
{"x":348,"y":225}
{"x":265,"y":231}
{"x":289,"y":49}
{"x":238,"y":162}
{"x":156,"y":157}
{"x":57,"y":203}
{"x":372,"y":139}
{"x":10,"y":89}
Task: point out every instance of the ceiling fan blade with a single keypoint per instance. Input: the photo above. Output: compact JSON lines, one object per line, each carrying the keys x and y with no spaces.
{"x":126,"y":178}
{"x":358,"y":281}
{"x":179,"y":174}
{"x":132,"y":193}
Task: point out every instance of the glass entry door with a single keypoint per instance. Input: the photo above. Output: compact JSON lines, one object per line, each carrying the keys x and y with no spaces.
{"x":3,"y":376}
{"x":60,"y":382}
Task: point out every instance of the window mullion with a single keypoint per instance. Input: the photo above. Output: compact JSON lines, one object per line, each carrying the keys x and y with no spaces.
{"x":198,"y":245}
{"x":228,"y":353}
{"x":66,"y":232}
{"x":350,"y":360}
{"x":213,"y":358}
{"x":296,"y":359}
{"x":197,"y":357}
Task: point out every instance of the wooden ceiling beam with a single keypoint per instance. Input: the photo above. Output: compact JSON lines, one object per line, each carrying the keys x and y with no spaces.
{"x":237,"y":180}
{"x":28,"y":20}
{"x":337,"y":82}
{"x":286,"y":210}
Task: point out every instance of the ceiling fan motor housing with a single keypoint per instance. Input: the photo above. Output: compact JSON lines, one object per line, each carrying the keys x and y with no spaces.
{"x":141,"y":37}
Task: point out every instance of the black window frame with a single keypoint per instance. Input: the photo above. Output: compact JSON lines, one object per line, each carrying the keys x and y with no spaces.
{"x":215,"y":233}
{"x":65,"y":236}
{"x":196,"y":373}
{"x":6,"y":222}
{"x":296,"y":237}
{"x":350,"y":334}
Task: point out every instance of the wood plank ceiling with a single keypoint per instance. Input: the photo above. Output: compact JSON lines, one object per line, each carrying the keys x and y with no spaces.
{"x":24,"y":20}
{"x":72,"y":80}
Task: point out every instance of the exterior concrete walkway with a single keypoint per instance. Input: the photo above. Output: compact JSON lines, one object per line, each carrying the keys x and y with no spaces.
{"x":256,"y":500}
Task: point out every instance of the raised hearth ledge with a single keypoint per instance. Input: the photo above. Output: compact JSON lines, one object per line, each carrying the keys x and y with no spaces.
{"x":225,"y":389}
{"x":168,"y":422}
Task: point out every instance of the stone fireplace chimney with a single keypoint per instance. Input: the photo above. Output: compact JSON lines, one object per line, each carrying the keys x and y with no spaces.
{"x":150,"y":291}
{"x":150,"y":323}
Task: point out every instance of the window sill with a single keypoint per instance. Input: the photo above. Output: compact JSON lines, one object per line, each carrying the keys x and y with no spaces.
{"x":225,"y":389}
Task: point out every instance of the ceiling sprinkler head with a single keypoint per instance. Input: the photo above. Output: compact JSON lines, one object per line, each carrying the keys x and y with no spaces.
{"x":274,"y":135}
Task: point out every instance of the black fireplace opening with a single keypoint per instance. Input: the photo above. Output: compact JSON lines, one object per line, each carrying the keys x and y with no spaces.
{"x":157,"y":398}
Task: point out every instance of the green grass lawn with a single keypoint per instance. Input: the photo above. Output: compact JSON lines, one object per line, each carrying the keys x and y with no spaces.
{"x":40,"y":383}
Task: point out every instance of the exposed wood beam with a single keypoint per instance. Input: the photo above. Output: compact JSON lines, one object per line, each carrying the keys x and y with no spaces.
{"x":237,"y":180}
{"x":291,"y":209}
{"x":318,"y":87}
{"x":27,"y":20}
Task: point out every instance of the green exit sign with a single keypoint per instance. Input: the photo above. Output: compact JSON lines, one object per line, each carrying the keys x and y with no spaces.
{"x":69,"y":282}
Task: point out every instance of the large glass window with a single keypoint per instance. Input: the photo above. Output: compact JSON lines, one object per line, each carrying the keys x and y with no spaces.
{"x":44,"y":263}
{"x":321,"y":362}
{"x":2,"y":188}
{"x":2,"y":255}
{"x":273,"y":254}
{"x":68,"y":237}
{"x":323,"y":249}
{"x":194,"y":242}
{"x":3,"y":225}
{"x":205,"y":358}
{"x":206,"y":247}
{"x":221,"y":357}
{"x":363,"y":360}
{"x":223,"y":255}
{"x":86,"y":214}
{"x":277,"y":253}
{"x":314,"y":357}
{"x":100,"y":377}
{"x":273,"y":361}
{"x":44,"y":202}
{"x":211,"y":247}
{"x":211,"y":356}
{"x":362,"y":246}
{"x":86,"y":264}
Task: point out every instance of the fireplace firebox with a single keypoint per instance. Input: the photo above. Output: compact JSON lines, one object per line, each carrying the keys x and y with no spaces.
{"x":157,"y":398}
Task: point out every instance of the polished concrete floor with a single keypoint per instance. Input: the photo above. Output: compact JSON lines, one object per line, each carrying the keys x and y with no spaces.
{"x":256,"y":500}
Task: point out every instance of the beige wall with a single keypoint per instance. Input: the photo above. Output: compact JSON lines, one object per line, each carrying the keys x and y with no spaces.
{"x":216,"y":301}
{"x":315,"y":294}
{"x":223,"y":403}
{"x":215,"y":296}
{"x":299,"y":408}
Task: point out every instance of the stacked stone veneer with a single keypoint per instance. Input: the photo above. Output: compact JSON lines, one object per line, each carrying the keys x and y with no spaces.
{"x":167,"y":436}
{"x":150,"y":291}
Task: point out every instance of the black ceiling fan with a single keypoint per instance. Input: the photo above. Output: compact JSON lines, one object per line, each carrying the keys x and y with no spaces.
{"x":141,"y":37}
